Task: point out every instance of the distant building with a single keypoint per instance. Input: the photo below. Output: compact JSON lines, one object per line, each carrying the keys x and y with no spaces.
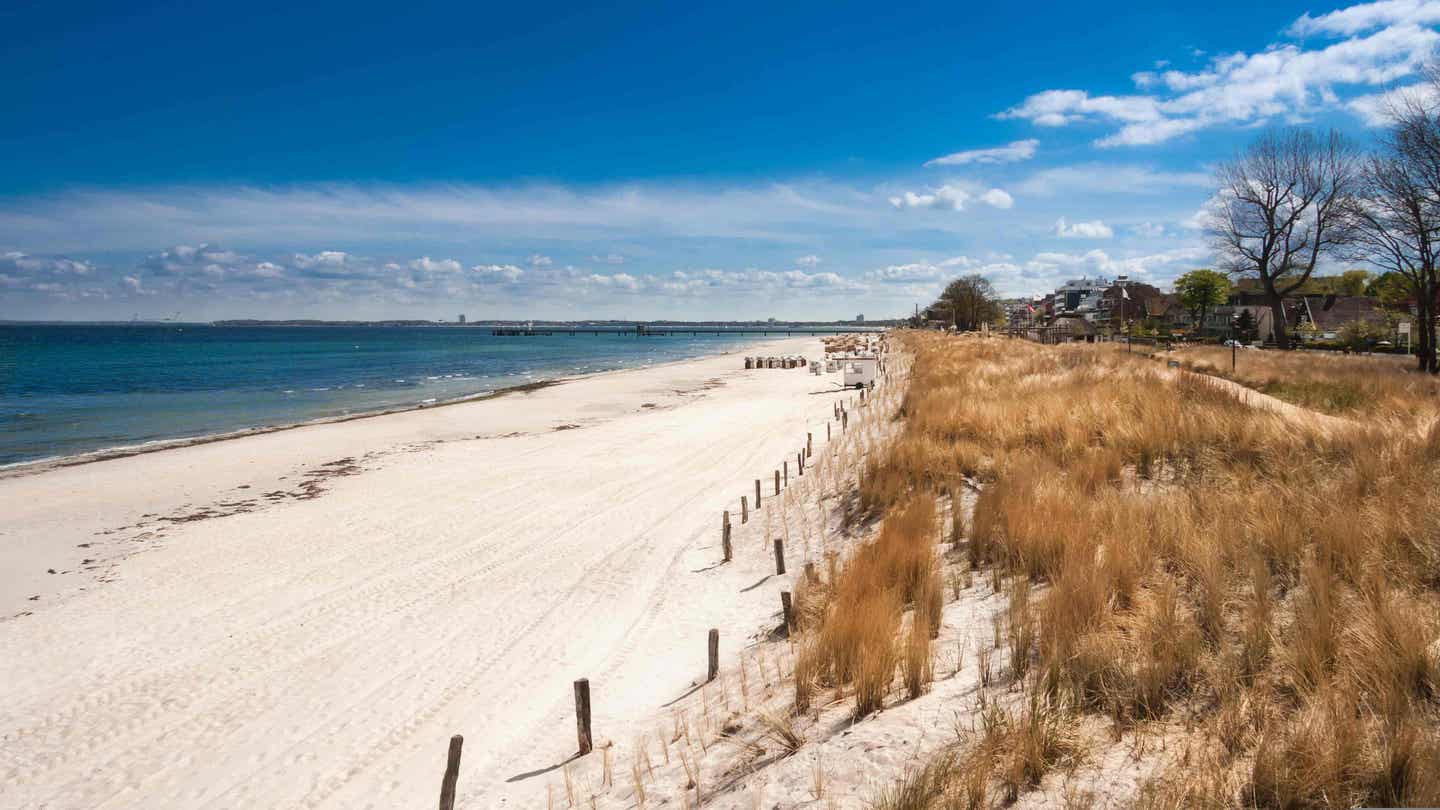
{"x":860,"y":318}
{"x":1082,"y":297}
{"x":461,"y":319}
{"x":1073,"y":329}
{"x":771,"y":321}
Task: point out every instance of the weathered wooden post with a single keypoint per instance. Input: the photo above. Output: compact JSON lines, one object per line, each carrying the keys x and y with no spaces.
{"x":844,"y":420}
{"x":800,"y":463}
{"x":786,"y":466}
{"x":744,"y":511}
{"x":785,"y":610}
{"x":809,"y":444}
{"x":714,"y":655}
{"x":810,"y":572}
{"x":779,"y":555}
{"x":582,"y":715}
{"x":452,"y":774}
{"x":757,"y":493}
{"x":725,"y":536}
{"x":777,"y":483}
{"x":827,"y":431}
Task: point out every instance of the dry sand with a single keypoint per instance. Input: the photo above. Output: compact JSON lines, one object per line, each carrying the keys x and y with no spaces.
{"x":303,"y":618}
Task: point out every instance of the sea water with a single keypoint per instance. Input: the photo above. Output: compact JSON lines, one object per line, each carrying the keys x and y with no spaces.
{"x":72,"y":388}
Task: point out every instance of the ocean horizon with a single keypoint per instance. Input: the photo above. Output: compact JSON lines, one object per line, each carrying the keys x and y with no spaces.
{"x":68,"y":389}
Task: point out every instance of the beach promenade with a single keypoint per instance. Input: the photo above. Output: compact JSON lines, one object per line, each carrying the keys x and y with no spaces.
{"x":303,"y":618}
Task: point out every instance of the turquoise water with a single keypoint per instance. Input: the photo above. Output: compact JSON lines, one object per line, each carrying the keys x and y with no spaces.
{"x":67,"y":389}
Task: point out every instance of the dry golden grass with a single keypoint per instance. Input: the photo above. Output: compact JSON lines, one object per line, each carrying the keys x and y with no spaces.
{"x":851,"y":622}
{"x":1011,"y":751}
{"x":1168,"y":549}
{"x":1346,"y":385}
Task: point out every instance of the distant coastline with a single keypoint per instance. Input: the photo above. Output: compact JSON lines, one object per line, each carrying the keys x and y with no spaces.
{"x":601,"y":323}
{"x":85,"y":392}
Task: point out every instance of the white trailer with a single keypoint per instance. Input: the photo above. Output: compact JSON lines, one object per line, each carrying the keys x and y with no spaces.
{"x":860,"y":371}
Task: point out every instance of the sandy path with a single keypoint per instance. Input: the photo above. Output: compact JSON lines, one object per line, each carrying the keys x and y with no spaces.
{"x":318,"y":652}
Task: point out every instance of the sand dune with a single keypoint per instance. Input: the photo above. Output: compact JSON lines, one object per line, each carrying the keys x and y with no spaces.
{"x":302,"y":619}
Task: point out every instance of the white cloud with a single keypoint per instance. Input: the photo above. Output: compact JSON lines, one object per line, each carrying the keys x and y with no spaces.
{"x":997,"y":198}
{"x":906,"y":273}
{"x":1056,"y":108}
{"x":950,"y":198}
{"x":1383,"y":43}
{"x":700,"y":282}
{"x":1376,"y":109}
{"x":508,"y":272}
{"x":47,"y":265}
{"x":921,"y":281}
{"x":610,"y":258}
{"x":1094,"y":229}
{"x":946,"y":197}
{"x":425,"y":264}
{"x":619,"y":280}
{"x":1201,"y":218}
{"x":1367,"y":16}
{"x":1149,"y":230}
{"x":1100,"y":178}
{"x":1010,"y":153}
{"x":325,"y":258}
{"x":1051,"y":268}
{"x":538,"y":260}
{"x":376,"y":218}
{"x":808,"y":261}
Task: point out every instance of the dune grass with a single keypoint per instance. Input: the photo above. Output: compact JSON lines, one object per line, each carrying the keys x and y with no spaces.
{"x":1340,"y":385}
{"x":1171,"y":553}
{"x":853,"y":641}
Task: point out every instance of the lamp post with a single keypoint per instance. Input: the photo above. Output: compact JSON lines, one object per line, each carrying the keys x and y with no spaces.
{"x":1234,"y":339}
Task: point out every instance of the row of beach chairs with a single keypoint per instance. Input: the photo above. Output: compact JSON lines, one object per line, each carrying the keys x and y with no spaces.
{"x":775,"y":362}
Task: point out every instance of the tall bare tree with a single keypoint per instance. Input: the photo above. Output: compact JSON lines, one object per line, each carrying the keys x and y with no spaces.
{"x":1397,"y":228}
{"x":1283,"y":204}
{"x":1403,"y":194}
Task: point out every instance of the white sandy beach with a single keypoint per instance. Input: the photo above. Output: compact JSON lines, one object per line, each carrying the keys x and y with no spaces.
{"x":303,"y":618}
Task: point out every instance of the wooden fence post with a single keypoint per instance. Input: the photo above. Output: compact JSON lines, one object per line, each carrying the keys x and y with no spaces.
{"x":810,"y":573}
{"x":800,"y":462}
{"x":809,"y":445}
{"x":757,"y":493}
{"x":785,"y":610}
{"x":827,"y":431}
{"x":779,"y":555}
{"x":744,"y":511}
{"x":725,"y":536}
{"x":452,"y":774}
{"x":714,"y":654}
{"x":786,"y":465}
{"x":844,"y":420}
{"x":777,"y":482}
{"x":582,"y":714}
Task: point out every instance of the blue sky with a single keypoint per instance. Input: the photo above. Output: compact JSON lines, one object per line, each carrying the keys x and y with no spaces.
{"x":816,"y":160}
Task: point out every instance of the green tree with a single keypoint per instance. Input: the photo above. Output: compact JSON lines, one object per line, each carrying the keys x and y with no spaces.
{"x":1352,"y":282}
{"x":1390,"y":289}
{"x":1200,"y":291}
{"x":1245,"y":326}
{"x":969,"y":301}
{"x":1362,"y":334}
